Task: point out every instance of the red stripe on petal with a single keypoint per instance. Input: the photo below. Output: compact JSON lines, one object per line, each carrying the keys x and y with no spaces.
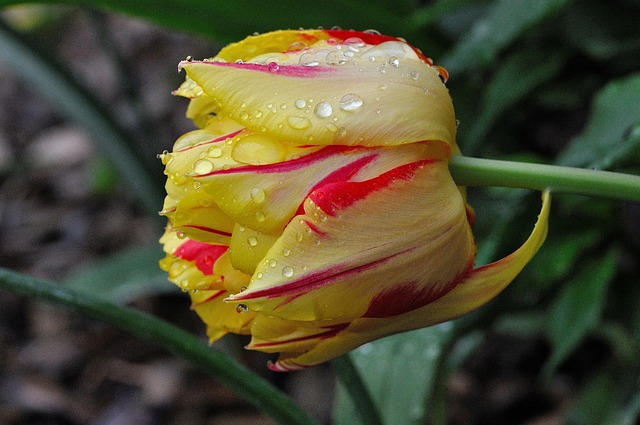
{"x":406,"y":297}
{"x":312,"y":281}
{"x":203,"y":254}
{"x":212,"y":297}
{"x":329,"y":333}
{"x":334,"y":197}
{"x":340,"y":175}
{"x":208,"y":142}
{"x":295,"y":71}
{"x":285,"y":166}
{"x":375,"y":39}
{"x":207,"y":229}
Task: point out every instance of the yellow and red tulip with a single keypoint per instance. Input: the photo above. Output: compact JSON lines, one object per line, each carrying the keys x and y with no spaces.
{"x":314,"y":208}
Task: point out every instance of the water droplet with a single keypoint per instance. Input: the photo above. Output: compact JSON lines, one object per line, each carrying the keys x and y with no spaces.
{"x":241,"y":309}
{"x":257,"y":149}
{"x":215,"y":152}
{"x":272,"y":263}
{"x":273,"y":66}
{"x":415,"y":75}
{"x":394,"y":61}
{"x":442,"y":73}
{"x":382,"y":86}
{"x":354,"y":43}
{"x":180,"y":235}
{"x":260,"y":217}
{"x":300,"y":103}
{"x":336,"y":57}
{"x":259,"y":275}
{"x":244,"y":115}
{"x":258,"y":114}
{"x":372,"y":31}
{"x":350,"y":102}
{"x":298,"y":45}
{"x":286,"y":252}
{"x":197,"y":185}
{"x":323,"y":110}
{"x":287,"y":271}
{"x":202,"y":166}
{"x":252,"y":241}
{"x":298,"y":122}
{"x":308,"y":59}
{"x":257,"y":195}
{"x":331,"y":127}
{"x":243,"y":288}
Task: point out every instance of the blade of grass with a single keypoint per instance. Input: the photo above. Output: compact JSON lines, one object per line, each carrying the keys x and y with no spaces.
{"x":238,"y":378}
{"x":352,"y":381}
{"x":55,"y":84}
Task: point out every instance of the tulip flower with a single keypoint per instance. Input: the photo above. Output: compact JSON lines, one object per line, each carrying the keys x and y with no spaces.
{"x":313,"y":209}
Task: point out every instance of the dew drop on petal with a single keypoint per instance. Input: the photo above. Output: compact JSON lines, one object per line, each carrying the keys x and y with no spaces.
{"x":336,"y":57}
{"x":257,"y":149}
{"x":272,"y":263}
{"x":350,"y":102}
{"x":257,"y":195}
{"x":252,"y":241}
{"x":286,"y":252}
{"x":260,"y":217}
{"x":394,"y":61}
{"x":287,"y":271}
{"x":323,"y":110}
{"x":202,"y":166}
{"x":300,"y":103}
{"x":215,"y":152}
{"x":273,"y":66}
{"x":241,"y":309}
{"x":298,"y":122}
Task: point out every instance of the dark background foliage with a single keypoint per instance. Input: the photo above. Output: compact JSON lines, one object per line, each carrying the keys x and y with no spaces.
{"x":552,"y":81}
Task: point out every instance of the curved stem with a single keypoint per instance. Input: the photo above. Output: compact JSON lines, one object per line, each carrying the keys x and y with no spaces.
{"x":357,"y":389}
{"x":487,"y":172}
{"x":238,"y":378}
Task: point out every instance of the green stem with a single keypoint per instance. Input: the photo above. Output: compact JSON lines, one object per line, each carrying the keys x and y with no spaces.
{"x":487,"y":172}
{"x":238,"y":378}
{"x":355,"y":386}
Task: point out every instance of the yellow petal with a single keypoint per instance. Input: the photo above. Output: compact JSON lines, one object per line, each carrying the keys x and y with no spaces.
{"x":266,"y":197}
{"x":220,"y":317}
{"x":334,"y":104}
{"x":271,"y":42}
{"x":403,"y":245}
{"x":248,"y":247}
{"x":474,"y":290}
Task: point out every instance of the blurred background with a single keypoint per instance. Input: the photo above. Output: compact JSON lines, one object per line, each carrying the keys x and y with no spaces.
{"x":547,"y":81}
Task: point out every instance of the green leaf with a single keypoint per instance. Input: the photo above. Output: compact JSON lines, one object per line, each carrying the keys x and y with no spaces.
{"x":123,"y":277}
{"x":597,"y":401}
{"x":615,"y":114}
{"x":517,"y":76}
{"x":57,"y":85}
{"x":577,"y":308}
{"x":400,"y":372}
{"x":228,"y":21}
{"x":504,"y":22}
{"x":238,"y":378}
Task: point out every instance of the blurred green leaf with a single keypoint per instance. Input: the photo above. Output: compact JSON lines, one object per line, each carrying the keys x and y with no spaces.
{"x":56,"y":84}
{"x":504,"y":22}
{"x":561,"y":252}
{"x":400,"y":372}
{"x":603,"y":29}
{"x":229,"y":21}
{"x":615,"y":114}
{"x":123,"y":277}
{"x":517,"y":76}
{"x":578,"y":307}
{"x":597,"y":402}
